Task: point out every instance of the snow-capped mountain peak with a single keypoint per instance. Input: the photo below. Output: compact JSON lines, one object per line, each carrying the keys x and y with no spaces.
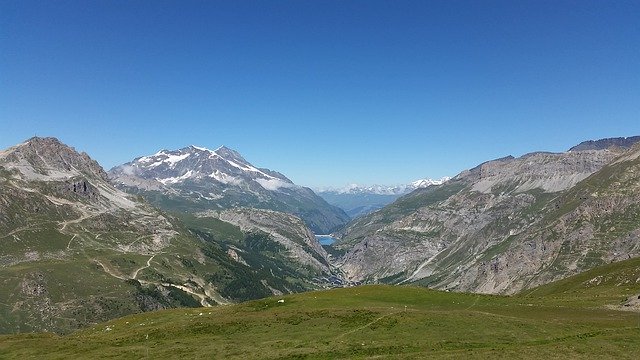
{"x":384,"y":189}
{"x":200,"y":148}
{"x":199,"y":178}
{"x":196,"y":163}
{"x":422,"y":183}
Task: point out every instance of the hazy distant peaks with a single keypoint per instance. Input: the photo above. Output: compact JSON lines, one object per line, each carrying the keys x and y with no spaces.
{"x":383,"y":189}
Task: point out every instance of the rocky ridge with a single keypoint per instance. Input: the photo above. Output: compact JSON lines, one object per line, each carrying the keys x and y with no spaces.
{"x":620,"y":142}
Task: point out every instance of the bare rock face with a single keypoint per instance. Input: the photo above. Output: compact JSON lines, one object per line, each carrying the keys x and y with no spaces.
{"x":506,"y":225}
{"x":545,"y":171}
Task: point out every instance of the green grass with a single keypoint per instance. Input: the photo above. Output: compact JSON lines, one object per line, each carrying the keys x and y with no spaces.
{"x":609,"y":284}
{"x":217,"y":228}
{"x":424,"y":197}
{"x":395,"y":322}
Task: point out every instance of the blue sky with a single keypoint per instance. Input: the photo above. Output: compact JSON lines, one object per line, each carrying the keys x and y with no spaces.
{"x":326,"y":92}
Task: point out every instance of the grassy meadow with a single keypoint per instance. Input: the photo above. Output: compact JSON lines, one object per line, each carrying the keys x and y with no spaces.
{"x":578,"y":317}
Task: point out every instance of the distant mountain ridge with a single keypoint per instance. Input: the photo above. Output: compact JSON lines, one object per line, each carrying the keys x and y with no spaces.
{"x":195,"y":179}
{"x":621,"y":142}
{"x":357,"y":200}
{"x":383,"y":189}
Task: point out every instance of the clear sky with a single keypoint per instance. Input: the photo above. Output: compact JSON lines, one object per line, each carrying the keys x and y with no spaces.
{"x":326,"y":92}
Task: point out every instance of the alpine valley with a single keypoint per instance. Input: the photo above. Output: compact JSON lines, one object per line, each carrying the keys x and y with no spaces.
{"x":199,"y":228}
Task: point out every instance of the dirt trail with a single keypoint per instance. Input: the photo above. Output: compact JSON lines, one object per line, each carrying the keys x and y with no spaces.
{"x":23,"y":228}
{"x":134,"y":274}
{"x":84,"y":216}
{"x":204,"y":298}
{"x":69,"y":244}
{"x":367,"y":324}
{"x":111,"y":272}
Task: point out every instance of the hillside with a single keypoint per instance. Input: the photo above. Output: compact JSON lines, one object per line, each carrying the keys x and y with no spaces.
{"x":76,"y":251}
{"x":397,"y":322}
{"x":506,"y":225}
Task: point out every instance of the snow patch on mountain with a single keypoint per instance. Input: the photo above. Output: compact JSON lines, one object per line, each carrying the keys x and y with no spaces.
{"x":273,"y":184}
{"x":422,"y":183}
{"x":173,"y":180}
{"x":196,"y":163}
{"x":224,"y":178}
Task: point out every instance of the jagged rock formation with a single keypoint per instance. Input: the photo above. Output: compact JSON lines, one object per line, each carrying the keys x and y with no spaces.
{"x":76,"y":250}
{"x":505,"y":225}
{"x":195,"y":179}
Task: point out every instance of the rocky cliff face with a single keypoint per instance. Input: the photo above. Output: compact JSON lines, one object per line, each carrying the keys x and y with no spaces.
{"x":195,"y":179}
{"x":505,"y":225}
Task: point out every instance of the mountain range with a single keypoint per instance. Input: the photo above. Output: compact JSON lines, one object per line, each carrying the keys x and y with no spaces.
{"x":357,"y":200}
{"x":195,"y":179}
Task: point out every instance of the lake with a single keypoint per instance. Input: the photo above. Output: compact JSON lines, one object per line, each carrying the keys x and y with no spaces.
{"x":325,"y":239}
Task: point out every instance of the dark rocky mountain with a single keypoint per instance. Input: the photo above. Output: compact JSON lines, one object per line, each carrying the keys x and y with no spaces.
{"x":74,"y":250}
{"x":506,"y":225}
{"x":196,"y":179}
{"x":621,"y":142}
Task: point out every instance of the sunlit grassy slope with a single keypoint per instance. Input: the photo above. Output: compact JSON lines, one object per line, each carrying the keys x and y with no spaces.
{"x":575,"y":318}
